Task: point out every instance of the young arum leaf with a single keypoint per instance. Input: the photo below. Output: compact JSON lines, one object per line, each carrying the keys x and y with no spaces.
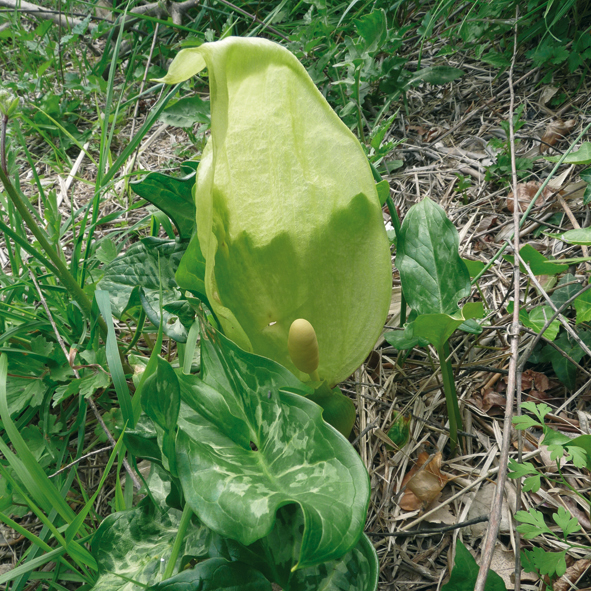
{"x":174,"y":196}
{"x":433,"y":275}
{"x":288,"y":217}
{"x":537,"y":262}
{"x":437,"y":328}
{"x":580,"y":236}
{"x":133,"y":545}
{"x":249,"y":443}
{"x":465,"y":571}
{"x":581,"y":156}
{"x":216,"y":574}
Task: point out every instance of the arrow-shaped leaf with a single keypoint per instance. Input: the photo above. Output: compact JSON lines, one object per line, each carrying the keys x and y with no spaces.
{"x":252,"y":445}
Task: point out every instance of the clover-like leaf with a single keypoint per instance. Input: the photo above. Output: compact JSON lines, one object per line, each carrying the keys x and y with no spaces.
{"x":251,"y":445}
{"x":566,"y":522}
{"x":533,"y":524}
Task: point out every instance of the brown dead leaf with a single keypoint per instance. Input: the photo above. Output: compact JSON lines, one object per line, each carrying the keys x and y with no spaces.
{"x":434,"y":133}
{"x":534,"y":379}
{"x":536,"y":396}
{"x":481,"y":505}
{"x":421,"y":131}
{"x":547,"y":93}
{"x":486,"y":223}
{"x":541,"y":381}
{"x":556,"y":130}
{"x":423,"y":486}
{"x":572,"y":574}
{"x":526,"y":192}
{"x":503,"y":563}
{"x":491,"y":402}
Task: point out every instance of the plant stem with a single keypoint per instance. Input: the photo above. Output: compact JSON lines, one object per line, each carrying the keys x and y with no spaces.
{"x":3,"y":143}
{"x":359,"y":117}
{"x":396,"y":223}
{"x":451,"y":397}
{"x":64,"y":275}
{"x":180,"y":536}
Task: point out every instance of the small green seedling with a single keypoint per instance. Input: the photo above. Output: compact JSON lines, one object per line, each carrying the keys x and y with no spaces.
{"x":533,"y":523}
{"x":434,"y":278}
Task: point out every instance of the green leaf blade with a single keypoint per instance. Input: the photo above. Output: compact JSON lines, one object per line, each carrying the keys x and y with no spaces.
{"x":434,"y":277}
{"x":299,"y":459}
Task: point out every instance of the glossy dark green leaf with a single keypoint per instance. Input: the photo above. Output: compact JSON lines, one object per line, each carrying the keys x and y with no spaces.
{"x":383,"y":188}
{"x":580,"y":236}
{"x":471,"y":327}
{"x":145,"y":265}
{"x":434,"y":277}
{"x":186,"y":112}
{"x":400,"y":340}
{"x":190,"y":274}
{"x":537,"y":262}
{"x":437,"y":328}
{"x":565,"y":371}
{"x":135,"y":546}
{"x":583,"y":307}
{"x":241,"y":398}
{"x":565,"y":293}
{"x":173,"y":196}
{"x":537,"y":320}
{"x":338,"y":410}
{"x":161,"y":400}
{"x":161,"y":397}
{"x":357,"y":570}
{"x":465,"y":571}
{"x":373,"y":27}
{"x":216,"y":574}
{"x":474,"y":267}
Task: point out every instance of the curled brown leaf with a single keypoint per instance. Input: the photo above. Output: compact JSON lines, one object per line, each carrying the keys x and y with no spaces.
{"x":526,"y":192}
{"x":572,"y":574}
{"x":556,"y":130}
{"x":423,"y":486}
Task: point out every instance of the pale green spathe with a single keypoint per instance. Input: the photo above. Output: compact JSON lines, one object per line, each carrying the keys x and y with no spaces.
{"x":288,"y":216}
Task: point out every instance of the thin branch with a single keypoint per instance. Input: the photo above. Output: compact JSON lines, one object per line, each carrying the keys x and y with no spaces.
{"x":514,"y":381}
{"x":557,"y":314}
{"x":80,"y":459}
{"x":421,"y":533}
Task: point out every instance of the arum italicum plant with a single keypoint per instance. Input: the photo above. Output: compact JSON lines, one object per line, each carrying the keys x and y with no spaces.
{"x":288,"y":217}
